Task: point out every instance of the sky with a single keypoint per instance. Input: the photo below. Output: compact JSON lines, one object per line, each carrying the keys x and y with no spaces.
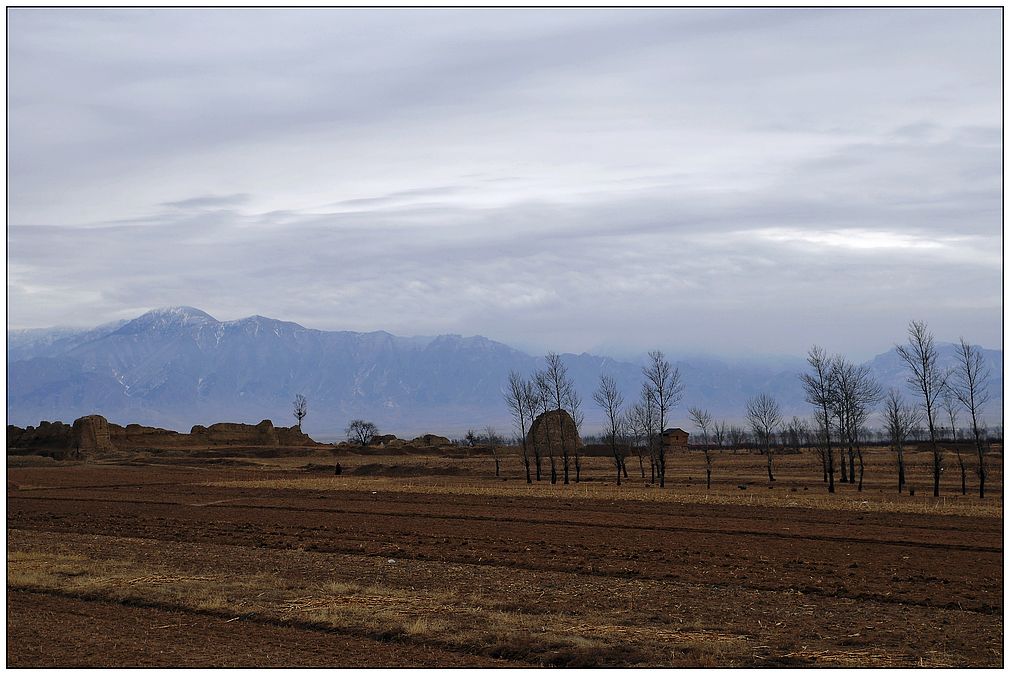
{"x":726,"y":182}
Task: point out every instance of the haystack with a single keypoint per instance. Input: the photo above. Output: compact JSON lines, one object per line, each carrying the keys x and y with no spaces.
{"x":546,"y":432}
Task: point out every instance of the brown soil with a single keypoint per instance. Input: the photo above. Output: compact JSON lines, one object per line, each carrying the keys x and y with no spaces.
{"x":468,"y":579}
{"x":100,"y":634}
{"x":396,"y":470}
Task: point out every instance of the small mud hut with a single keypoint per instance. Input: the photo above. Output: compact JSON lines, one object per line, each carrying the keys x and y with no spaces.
{"x":675,"y":438}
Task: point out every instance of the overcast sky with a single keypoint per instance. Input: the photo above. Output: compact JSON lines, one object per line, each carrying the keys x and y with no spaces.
{"x":728,"y":182}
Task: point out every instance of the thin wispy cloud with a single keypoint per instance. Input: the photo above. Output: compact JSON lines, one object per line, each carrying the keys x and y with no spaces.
{"x":720,"y":180}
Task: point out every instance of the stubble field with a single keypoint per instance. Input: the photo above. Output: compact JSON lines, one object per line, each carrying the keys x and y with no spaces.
{"x":432,"y":561}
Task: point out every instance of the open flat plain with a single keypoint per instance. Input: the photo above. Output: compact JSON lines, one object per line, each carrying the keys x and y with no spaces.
{"x":189,"y":560}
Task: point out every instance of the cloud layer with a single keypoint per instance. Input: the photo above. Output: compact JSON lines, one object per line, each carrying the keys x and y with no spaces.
{"x":727,"y":181}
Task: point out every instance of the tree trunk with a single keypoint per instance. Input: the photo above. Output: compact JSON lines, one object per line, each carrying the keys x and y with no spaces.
{"x":641,"y":465}
{"x":662,"y":468}
{"x":497,"y":467}
{"x":861,"y":468}
{"x":844,"y":468}
{"x":936,"y":472}
{"x":539,"y":464}
{"x":830,"y":470}
{"x":578,"y":468}
{"x":900,"y":471}
{"x":617,"y":460}
{"x":709,"y":478}
{"x":982,"y":470}
{"x":553,"y":470}
{"x":963,"y":469}
{"x":770,"y":475}
{"x":567,"y":466}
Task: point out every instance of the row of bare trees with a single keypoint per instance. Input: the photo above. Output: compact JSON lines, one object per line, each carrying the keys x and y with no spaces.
{"x":550,"y":389}
{"x":637,"y":427}
{"x":640,"y":426}
{"x":940,"y":389}
{"x":844,"y":395}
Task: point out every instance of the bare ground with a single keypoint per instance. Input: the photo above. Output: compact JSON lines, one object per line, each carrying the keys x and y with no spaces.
{"x":196,"y":565}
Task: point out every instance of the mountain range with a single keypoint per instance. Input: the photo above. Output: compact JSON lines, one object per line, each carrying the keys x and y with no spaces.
{"x":179,"y":366}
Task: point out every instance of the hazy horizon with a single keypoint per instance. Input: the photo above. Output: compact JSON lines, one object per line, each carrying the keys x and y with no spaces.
{"x":670,"y":351}
{"x":734,"y":183}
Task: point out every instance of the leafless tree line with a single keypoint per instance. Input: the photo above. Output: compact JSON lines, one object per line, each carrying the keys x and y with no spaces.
{"x":844,"y":395}
{"x":550,"y":389}
{"x":638,"y":427}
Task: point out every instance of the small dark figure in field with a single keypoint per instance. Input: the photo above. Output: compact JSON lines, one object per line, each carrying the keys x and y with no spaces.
{"x":339,"y":469}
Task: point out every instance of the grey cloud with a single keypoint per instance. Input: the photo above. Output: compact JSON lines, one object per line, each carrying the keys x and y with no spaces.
{"x":209,"y":201}
{"x":360,"y":271}
{"x":558,"y":179}
{"x":400,"y":196}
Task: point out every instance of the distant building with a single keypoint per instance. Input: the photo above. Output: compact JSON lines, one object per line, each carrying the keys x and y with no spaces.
{"x":675,"y":438}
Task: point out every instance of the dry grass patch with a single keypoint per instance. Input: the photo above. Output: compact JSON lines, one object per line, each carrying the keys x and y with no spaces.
{"x":121,"y":581}
{"x":781,"y":498}
{"x":443,"y":617}
{"x":341,"y":587}
{"x":34,"y":569}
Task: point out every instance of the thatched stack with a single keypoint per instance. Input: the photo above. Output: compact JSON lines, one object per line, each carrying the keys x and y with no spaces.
{"x":546,"y":433}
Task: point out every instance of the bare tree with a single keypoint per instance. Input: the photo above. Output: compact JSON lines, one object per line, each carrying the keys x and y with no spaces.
{"x":639,"y":425}
{"x":650,"y":418}
{"x":927,"y":380}
{"x":970,"y":386}
{"x":561,"y":392}
{"x":361,"y":431}
{"x":300,"y":408}
{"x":949,"y":404}
{"x":719,"y":433}
{"x":541,"y":403}
{"x":494,"y":442}
{"x":950,"y":408}
{"x":578,"y":417}
{"x":794,"y":433}
{"x":820,"y":393}
{"x":819,"y":442}
{"x":702,"y":419}
{"x":736,"y":437}
{"x":867,"y":394}
{"x":666,"y":390}
{"x":543,"y":392}
{"x":520,"y":396}
{"x":764,"y":415}
{"x":609,"y":399}
{"x":856,"y":392}
{"x":899,"y":419}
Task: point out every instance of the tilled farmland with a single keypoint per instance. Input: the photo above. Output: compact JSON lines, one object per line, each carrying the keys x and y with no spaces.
{"x":275,"y":565}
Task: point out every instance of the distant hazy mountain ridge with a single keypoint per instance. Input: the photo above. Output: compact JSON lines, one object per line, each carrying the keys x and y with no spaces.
{"x":179,"y":366}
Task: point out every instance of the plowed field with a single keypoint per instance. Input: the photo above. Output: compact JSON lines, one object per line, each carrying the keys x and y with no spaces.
{"x":271,"y":565}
